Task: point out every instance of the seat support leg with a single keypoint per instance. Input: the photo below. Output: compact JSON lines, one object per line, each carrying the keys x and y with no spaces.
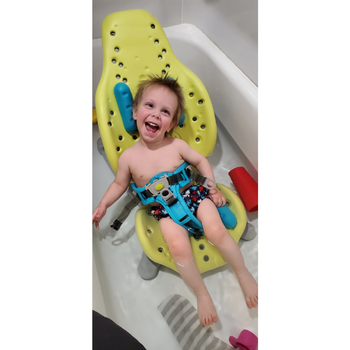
{"x":249,"y":232}
{"x":147,"y":268}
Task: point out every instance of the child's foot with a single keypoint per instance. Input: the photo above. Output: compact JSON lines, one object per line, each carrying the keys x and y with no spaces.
{"x":206,"y":310}
{"x":249,"y":287}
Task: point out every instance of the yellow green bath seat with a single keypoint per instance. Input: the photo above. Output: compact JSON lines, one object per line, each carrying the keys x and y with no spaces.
{"x":135,"y":45}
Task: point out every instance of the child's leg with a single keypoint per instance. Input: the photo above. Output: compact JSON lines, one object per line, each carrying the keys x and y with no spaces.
{"x":217,"y":234}
{"x":179,"y":245}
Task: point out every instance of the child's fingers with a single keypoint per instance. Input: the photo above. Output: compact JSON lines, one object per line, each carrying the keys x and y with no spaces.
{"x":219,"y":201}
{"x":96,"y":219}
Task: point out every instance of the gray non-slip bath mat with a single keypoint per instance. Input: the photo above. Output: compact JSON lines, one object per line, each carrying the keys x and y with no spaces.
{"x":182,"y":318}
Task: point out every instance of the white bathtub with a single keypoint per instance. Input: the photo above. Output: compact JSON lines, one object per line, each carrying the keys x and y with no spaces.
{"x":119,"y":292}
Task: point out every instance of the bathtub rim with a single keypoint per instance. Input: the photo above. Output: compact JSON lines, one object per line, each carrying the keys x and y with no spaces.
{"x":223,"y":80}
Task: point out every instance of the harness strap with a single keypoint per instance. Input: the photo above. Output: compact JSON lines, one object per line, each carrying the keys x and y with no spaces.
{"x":164,"y":188}
{"x":202,"y":180}
{"x":172,"y":180}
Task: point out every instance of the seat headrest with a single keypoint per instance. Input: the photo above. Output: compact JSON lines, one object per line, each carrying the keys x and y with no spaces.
{"x":135,"y":45}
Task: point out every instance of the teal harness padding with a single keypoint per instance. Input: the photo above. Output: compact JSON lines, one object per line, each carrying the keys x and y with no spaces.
{"x":164,"y":188}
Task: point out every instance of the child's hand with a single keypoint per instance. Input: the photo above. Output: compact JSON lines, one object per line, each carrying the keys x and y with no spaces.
{"x":98,"y":214}
{"x":217,"y":197}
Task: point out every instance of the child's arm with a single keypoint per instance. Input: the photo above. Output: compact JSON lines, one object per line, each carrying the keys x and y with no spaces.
{"x":202,"y":164}
{"x":114,"y":191}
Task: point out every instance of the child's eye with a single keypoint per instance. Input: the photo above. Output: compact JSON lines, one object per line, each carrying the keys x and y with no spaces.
{"x":148,"y":104}
{"x":166,"y":111}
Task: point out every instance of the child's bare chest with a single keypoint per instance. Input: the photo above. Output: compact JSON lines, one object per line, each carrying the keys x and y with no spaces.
{"x":145,"y":165}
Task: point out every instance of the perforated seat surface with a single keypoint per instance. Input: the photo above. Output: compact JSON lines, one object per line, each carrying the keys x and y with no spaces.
{"x":135,"y":45}
{"x":205,"y":254}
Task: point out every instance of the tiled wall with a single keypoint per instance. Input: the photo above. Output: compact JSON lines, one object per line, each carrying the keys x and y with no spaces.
{"x":231,"y":24}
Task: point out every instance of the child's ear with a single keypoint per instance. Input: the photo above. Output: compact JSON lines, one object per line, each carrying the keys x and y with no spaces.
{"x":134,"y":110}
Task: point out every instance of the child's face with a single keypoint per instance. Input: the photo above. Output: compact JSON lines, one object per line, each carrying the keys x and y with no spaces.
{"x":155,"y":113}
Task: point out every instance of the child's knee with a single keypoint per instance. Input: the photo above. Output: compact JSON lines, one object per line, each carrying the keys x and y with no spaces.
{"x":216,"y":233}
{"x":179,"y":248}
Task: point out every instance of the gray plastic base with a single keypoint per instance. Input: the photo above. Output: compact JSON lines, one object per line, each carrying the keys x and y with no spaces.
{"x":147,"y":268}
{"x":249,"y":232}
{"x":102,"y":151}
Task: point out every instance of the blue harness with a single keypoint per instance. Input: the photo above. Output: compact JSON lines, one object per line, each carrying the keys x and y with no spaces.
{"x":164,"y":188}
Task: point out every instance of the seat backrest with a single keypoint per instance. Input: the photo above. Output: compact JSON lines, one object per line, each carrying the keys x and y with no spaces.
{"x":135,"y":45}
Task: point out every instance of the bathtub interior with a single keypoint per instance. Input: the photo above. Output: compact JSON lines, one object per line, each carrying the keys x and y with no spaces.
{"x":132,"y":302}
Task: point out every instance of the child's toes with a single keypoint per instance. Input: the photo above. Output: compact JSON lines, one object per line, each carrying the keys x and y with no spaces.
{"x":252,"y":302}
{"x":208,"y":320}
{"x":203,"y":320}
{"x":249,"y":303}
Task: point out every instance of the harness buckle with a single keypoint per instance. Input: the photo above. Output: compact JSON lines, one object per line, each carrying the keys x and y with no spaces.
{"x":161,"y":186}
{"x":202,"y":180}
{"x":206,"y":181}
{"x":168,"y":196}
{"x":158,"y":185}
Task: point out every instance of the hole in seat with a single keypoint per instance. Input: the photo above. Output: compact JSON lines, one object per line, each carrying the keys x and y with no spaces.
{"x":156,"y":41}
{"x":160,"y":250}
{"x":153,"y":26}
{"x":112,"y":33}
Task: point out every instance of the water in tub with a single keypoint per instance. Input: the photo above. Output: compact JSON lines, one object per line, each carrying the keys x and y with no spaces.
{"x":133,"y":302}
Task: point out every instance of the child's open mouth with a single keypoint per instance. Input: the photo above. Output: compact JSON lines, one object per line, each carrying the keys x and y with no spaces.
{"x":152,"y":127}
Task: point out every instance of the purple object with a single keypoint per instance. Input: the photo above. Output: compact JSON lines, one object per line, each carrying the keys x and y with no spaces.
{"x":246,"y":341}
